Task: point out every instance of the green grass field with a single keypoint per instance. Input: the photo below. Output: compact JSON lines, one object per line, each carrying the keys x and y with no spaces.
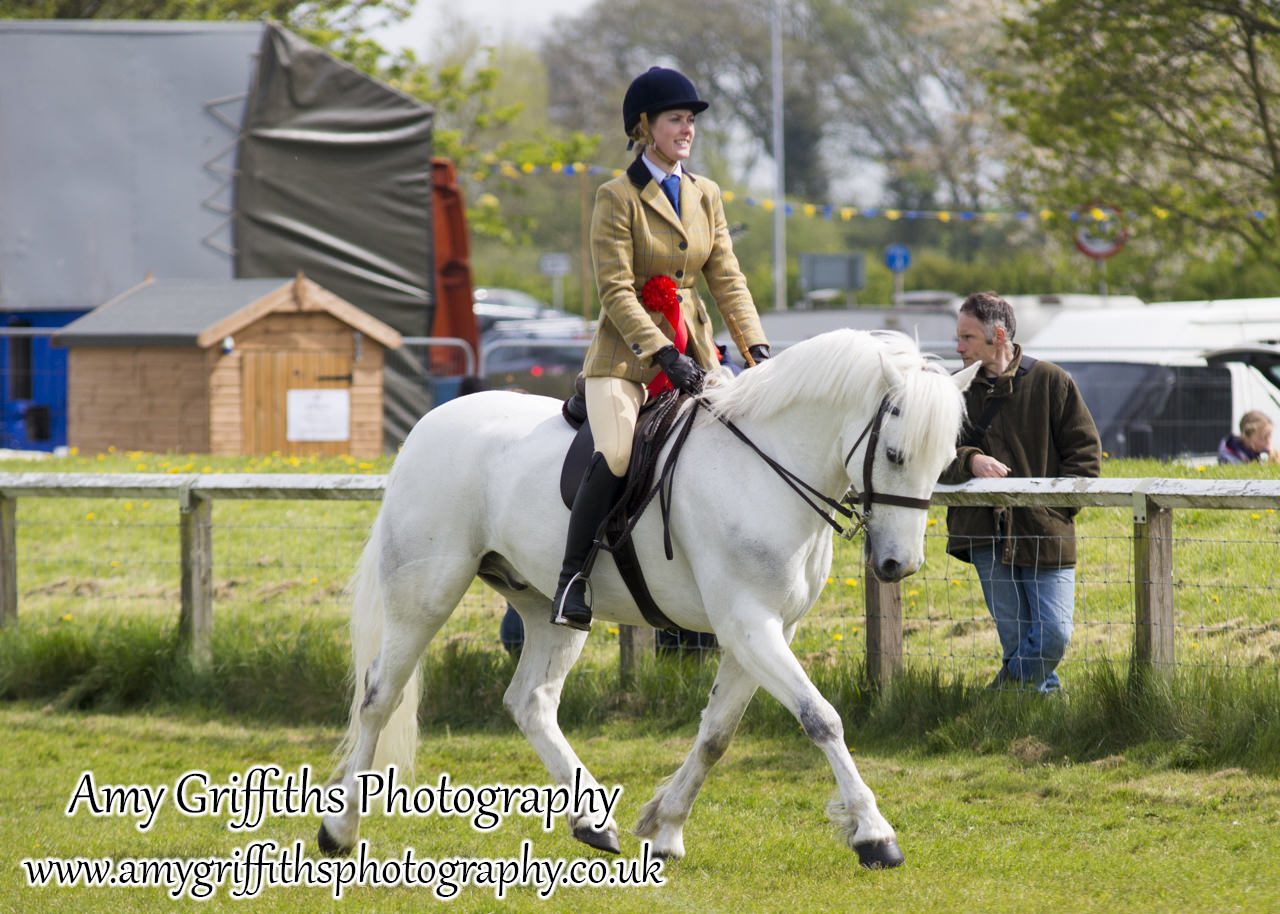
{"x":982,"y":832}
{"x":1128,"y":794}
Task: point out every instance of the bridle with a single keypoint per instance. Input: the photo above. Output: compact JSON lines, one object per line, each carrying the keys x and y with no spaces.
{"x":854,"y":507}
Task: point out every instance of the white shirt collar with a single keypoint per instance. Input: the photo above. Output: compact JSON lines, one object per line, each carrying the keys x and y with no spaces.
{"x":658,"y":173}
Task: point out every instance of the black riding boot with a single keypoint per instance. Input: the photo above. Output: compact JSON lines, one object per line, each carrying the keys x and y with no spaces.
{"x":598,"y":492}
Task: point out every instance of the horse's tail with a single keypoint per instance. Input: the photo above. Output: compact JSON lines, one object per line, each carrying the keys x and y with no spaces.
{"x":399,"y":737}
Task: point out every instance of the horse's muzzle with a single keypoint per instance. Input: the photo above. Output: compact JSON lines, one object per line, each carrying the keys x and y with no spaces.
{"x":891,"y":570}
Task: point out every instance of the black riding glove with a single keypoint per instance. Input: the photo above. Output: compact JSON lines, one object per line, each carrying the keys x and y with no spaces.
{"x":759,"y":352}
{"x":683,"y":372}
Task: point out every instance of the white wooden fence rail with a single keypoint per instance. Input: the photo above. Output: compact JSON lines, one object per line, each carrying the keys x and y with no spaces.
{"x":1151,"y":501}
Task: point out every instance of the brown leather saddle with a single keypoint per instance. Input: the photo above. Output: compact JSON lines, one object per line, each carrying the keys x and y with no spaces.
{"x":653,"y":427}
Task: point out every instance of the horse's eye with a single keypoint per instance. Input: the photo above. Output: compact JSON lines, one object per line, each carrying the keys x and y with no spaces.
{"x":894,"y":411}
{"x":895,"y":456}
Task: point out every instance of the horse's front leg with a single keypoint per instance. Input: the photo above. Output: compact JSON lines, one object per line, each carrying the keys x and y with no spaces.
{"x":533,"y":700}
{"x":662,"y":818}
{"x":759,"y":644}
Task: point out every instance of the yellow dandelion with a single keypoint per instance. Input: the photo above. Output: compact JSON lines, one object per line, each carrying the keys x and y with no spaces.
{"x":90,"y":516}
{"x":1200,"y":469}
{"x":67,"y":617}
{"x":115,"y":564}
{"x":1256,"y":516}
{"x":314,"y":580}
{"x":850,"y":582}
{"x":931,"y":522}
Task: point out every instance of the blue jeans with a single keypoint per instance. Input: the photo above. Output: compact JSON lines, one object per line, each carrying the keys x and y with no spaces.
{"x":1032,"y":609}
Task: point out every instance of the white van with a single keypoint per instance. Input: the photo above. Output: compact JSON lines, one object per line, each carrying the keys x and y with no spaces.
{"x":1169,"y":379}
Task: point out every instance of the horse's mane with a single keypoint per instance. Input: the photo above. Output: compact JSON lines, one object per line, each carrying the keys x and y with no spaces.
{"x":845,"y":367}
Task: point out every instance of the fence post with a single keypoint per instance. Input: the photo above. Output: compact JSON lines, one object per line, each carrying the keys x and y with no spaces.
{"x":8,"y":560}
{"x":1153,"y":583}
{"x":626,"y":655}
{"x":884,"y":628}
{"x":195,"y":624}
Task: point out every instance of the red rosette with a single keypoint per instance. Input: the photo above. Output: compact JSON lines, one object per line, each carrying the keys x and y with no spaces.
{"x":660,"y":293}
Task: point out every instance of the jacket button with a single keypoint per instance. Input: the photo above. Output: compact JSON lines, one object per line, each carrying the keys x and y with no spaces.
{"x":684,"y":245}
{"x":679,"y":274}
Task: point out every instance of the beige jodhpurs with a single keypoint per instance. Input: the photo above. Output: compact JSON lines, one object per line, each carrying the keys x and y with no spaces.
{"x":612,"y":407}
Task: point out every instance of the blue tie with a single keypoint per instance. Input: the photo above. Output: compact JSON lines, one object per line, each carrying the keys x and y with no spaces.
{"x":671,"y":184}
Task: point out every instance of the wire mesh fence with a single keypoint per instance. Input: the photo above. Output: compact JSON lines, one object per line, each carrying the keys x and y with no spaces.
{"x":280,"y":564}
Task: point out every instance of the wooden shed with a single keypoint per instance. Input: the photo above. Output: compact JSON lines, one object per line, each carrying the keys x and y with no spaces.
{"x":237,"y":366}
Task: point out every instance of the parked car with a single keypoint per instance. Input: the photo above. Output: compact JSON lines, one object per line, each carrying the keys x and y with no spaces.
{"x":526,"y":343}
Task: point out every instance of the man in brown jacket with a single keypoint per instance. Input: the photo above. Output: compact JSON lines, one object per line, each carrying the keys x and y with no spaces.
{"x":1026,"y":418}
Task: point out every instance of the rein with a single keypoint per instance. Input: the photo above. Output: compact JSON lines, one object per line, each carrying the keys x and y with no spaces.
{"x":856,"y":511}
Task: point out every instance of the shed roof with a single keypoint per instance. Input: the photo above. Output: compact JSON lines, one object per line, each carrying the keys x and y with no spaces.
{"x":200,"y":312}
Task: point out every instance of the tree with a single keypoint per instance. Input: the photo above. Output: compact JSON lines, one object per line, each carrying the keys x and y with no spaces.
{"x":883,"y":86}
{"x":1169,"y":109}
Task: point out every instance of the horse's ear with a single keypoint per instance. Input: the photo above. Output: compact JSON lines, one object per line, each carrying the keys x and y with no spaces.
{"x":964,"y":376}
{"x":891,"y":373}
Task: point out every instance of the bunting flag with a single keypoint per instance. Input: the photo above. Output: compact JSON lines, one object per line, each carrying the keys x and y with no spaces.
{"x":832,"y":212}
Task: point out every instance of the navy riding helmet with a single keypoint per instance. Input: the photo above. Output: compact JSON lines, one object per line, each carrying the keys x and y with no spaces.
{"x":655,"y":90}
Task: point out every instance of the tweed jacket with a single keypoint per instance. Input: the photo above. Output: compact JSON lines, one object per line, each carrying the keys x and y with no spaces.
{"x":1044,"y":429}
{"x":636,"y":235}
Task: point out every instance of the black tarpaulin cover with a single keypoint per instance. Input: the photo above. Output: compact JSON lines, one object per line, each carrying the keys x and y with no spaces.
{"x":335,"y":180}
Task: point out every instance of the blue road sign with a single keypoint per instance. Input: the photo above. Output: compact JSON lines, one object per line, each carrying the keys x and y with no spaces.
{"x":897,"y":257}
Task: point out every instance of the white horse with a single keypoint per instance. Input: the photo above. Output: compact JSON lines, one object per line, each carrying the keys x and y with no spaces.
{"x":475,"y":491}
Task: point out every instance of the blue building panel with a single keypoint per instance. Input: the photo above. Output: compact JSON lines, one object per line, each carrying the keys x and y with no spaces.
{"x":33,"y":394}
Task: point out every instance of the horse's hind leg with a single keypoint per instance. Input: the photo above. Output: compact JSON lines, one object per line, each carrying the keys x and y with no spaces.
{"x":663,"y":817}
{"x":533,"y":700}
{"x":760,"y":645}
{"x":417,"y":598}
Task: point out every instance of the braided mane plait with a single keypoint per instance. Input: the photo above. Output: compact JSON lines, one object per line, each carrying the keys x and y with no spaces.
{"x":847,"y":368}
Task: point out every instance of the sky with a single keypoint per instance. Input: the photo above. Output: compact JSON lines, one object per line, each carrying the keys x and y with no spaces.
{"x":514,"y":21}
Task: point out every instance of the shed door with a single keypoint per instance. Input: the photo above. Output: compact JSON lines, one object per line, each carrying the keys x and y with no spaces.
{"x":308,"y":421}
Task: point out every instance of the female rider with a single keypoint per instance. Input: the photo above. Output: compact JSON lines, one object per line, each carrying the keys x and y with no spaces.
{"x":653,"y":230}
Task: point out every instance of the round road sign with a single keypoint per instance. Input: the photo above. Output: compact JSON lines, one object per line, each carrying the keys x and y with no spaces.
{"x":1102,"y":232}
{"x":897,"y":257}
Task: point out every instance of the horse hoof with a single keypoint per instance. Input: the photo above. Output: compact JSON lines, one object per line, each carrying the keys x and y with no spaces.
{"x":601,"y":840}
{"x":328,"y":846}
{"x":880,"y":855}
